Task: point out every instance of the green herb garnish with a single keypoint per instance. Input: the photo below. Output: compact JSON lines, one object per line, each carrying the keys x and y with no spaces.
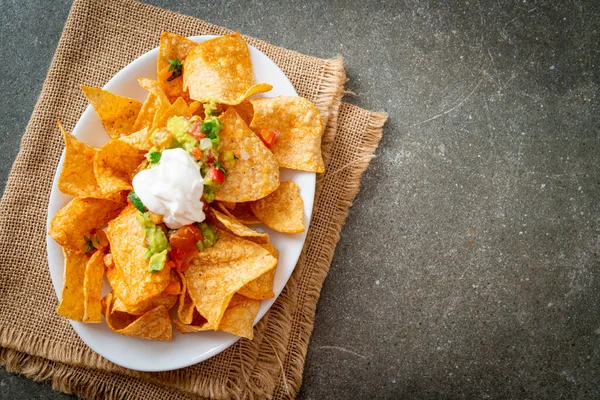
{"x":176,"y":66}
{"x":137,"y":203}
{"x":153,"y":156}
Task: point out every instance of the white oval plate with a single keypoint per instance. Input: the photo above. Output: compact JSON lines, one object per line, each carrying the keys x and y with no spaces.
{"x":192,"y":348}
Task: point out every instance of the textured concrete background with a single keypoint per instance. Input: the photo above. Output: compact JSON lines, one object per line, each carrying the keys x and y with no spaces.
{"x":469,"y":264}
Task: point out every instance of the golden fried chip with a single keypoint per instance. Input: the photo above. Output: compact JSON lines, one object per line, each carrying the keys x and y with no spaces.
{"x":218,"y":272}
{"x":262,"y":287}
{"x":92,"y":288}
{"x":130,"y":279}
{"x":71,"y":303}
{"x":114,"y":165}
{"x":79,"y":217}
{"x":147,"y":113}
{"x":152,"y":325}
{"x":180,"y":107}
{"x":161,"y":101}
{"x":77,"y":175}
{"x":185,"y":308}
{"x":176,"y":48}
{"x":300,"y":126}
{"x":144,"y":306}
{"x":220,"y":70}
{"x":239,"y":319}
{"x":232,"y":225}
{"x":118,"y":113}
{"x":256,"y":173}
{"x":140,"y":140}
{"x":237,"y":299}
{"x":239,"y":211}
{"x":245,"y":111}
{"x":282,"y":210}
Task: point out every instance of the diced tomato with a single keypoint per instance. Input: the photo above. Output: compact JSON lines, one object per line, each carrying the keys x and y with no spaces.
{"x":210,"y":157}
{"x":269,"y":136}
{"x":216,"y":175}
{"x":172,"y":288}
{"x":183,"y":245}
{"x":197,"y":153}
{"x":195,"y":130}
{"x":185,"y":238}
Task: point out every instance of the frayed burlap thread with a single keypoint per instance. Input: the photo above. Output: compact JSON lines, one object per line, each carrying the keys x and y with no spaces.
{"x":100,"y":38}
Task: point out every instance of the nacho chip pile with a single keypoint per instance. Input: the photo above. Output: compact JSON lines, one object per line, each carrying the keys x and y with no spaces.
{"x":212,"y":274}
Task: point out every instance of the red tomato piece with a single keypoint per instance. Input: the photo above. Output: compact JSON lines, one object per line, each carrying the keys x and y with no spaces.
{"x":197,"y":153}
{"x":269,"y":136}
{"x":195,"y":130}
{"x":216,"y":175}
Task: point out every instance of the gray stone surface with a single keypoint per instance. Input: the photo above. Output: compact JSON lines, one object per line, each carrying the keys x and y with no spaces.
{"x":469,"y":263}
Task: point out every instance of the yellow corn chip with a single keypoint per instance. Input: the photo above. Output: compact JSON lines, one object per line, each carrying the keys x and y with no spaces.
{"x":239,"y":211}
{"x":147,"y":113}
{"x":232,"y":225}
{"x":130,"y":279}
{"x":218,"y":272}
{"x":180,"y":107}
{"x":79,"y":217}
{"x":282,"y":210}
{"x":71,"y":303}
{"x":245,"y":111}
{"x":140,"y":140}
{"x":118,"y":114}
{"x":114,"y":166}
{"x":185,"y":308}
{"x":153,"y":325}
{"x":161,"y":100}
{"x":172,"y":47}
{"x":239,"y":319}
{"x":300,"y":126}
{"x":256,"y":173}
{"x":144,"y":306}
{"x":262,"y":287}
{"x":92,"y":288}
{"x":77,"y":175}
{"x":220,"y":70}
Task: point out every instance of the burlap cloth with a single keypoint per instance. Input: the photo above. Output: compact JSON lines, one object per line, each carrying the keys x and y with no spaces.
{"x":98,"y":40}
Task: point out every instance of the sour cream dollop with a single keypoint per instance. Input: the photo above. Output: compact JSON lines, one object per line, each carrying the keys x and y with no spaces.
{"x":172,"y":188}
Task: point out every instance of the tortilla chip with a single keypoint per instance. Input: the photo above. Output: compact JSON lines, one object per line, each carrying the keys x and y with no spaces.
{"x":147,"y":113}
{"x":220,"y":70}
{"x":262,"y":287}
{"x":239,"y":211}
{"x":245,"y":111}
{"x":197,"y":323}
{"x":301,"y":129}
{"x":139,"y":140}
{"x":185,"y":308}
{"x":239,"y":319}
{"x":282,"y":210}
{"x":180,"y":107}
{"x":77,"y":175}
{"x":71,"y":303}
{"x":144,"y":306}
{"x":256,"y":173}
{"x":172,"y":47}
{"x":232,"y":225}
{"x":92,"y":288}
{"x":237,"y":299}
{"x":152,"y":325}
{"x":114,"y":165}
{"x":117,"y":113}
{"x":218,"y":272}
{"x":130,"y":279}
{"x":79,"y":217}
{"x":161,"y":101}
